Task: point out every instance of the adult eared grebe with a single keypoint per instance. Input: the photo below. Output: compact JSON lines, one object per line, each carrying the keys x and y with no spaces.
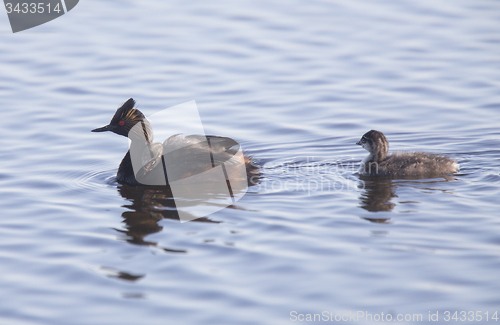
{"x":192,"y":154}
{"x":402,"y":164}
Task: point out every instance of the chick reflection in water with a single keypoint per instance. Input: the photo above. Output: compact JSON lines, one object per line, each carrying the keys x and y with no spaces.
{"x":377,"y":195}
{"x":202,"y":174}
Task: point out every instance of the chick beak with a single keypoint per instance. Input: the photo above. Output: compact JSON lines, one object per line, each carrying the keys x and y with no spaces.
{"x":359,"y":143}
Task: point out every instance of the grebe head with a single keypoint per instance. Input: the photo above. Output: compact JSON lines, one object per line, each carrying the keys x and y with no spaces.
{"x":376,"y":144}
{"x":124,"y":120}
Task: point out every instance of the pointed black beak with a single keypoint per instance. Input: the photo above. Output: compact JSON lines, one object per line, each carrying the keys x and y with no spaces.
{"x":104,"y":128}
{"x":359,"y":143}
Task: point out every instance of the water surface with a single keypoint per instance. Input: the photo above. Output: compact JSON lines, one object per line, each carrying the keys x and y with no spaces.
{"x":297,"y":84}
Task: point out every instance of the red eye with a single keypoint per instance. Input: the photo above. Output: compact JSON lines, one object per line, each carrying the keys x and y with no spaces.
{"x":121,"y":122}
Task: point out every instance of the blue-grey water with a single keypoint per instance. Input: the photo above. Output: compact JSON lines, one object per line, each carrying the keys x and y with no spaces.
{"x":296,"y":83}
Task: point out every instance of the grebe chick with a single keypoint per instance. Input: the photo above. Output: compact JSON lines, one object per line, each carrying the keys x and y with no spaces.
{"x":190,"y":155}
{"x":401,"y":164}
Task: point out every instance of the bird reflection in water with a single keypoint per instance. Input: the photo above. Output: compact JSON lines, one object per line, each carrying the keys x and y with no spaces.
{"x":379,"y":192}
{"x":376,"y":197}
{"x":150,"y":204}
